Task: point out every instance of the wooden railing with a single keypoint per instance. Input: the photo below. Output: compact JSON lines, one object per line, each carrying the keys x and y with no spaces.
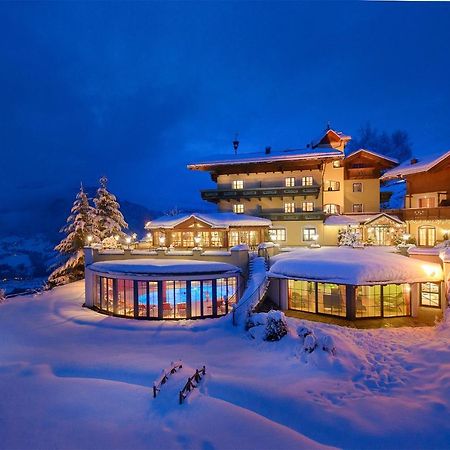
{"x":191,"y":383}
{"x":164,"y":377}
{"x":440,"y":212}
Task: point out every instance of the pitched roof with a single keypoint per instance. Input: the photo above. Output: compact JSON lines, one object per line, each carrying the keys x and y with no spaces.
{"x":339,"y":134}
{"x":423,"y":165}
{"x":215,"y":220}
{"x":357,"y":219}
{"x":378,"y":155}
{"x":262,"y":156}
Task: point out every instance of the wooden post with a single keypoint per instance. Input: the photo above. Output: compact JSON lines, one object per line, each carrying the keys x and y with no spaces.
{"x":154,"y":390}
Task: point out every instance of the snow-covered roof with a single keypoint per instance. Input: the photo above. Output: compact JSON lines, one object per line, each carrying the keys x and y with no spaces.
{"x":215,"y":220}
{"x":343,"y":265}
{"x":422,"y":165}
{"x":357,"y":219}
{"x":273,"y":156}
{"x":378,"y":155}
{"x":161,"y":267}
{"x":338,"y":134}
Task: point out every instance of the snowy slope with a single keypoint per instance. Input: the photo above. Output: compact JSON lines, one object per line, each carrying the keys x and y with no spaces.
{"x":72,"y":378}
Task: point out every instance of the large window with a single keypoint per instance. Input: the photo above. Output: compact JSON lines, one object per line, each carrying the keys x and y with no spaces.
{"x":222,"y":296}
{"x":309,"y":234}
{"x":207,"y":291}
{"x":125,"y":298}
{"x":430,"y":295}
{"x":250,"y":237}
{"x":238,"y":208}
{"x":331,"y":299}
{"x":331,"y":208}
{"x":107,"y":295}
{"x":368,"y":301}
{"x":307,"y":181}
{"x":308,"y":206}
{"x":302,"y":295}
{"x":174,"y":299}
{"x":427,"y":235}
{"x":277,"y":234}
{"x":396,"y":300}
{"x":289,"y":181}
{"x":238,"y":184}
{"x":289,"y":207}
{"x":332,"y":185}
{"x":142,"y":298}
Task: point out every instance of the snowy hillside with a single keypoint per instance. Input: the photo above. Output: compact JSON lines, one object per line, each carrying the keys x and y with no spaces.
{"x":71,"y":378}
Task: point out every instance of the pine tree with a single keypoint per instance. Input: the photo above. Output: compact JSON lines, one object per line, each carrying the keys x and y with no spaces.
{"x":80,"y":224}
{"x":109,"y":220}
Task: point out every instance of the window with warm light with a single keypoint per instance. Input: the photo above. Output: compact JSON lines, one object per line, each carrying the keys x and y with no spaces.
{"x":307,"y":181}
{"x":289,"y":181}
{"x":332,"y":185}
{"x":238,"y":184}
{"x":309,"y":234}
{"x":289,"y":207}
{"x":308,"y":206}
{"x":277,"y":234}
{"x":331,"y":208}
{"x":430,"y":295}
{"x":238,"y":208}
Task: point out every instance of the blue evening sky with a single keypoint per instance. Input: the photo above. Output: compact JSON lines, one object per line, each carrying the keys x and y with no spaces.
{"x":137,"y":90}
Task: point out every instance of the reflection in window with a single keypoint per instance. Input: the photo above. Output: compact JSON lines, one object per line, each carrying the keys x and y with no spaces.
{"x":222,"y":296}
{"x":302,"y":295}
{"x":142,"y":298}
{"x":396,"y":300}
{"x":430,"y":295}
{"x":153,"y":299}
{"x":125,"y":298}
{"x":196,"y":299}
{"x":107,"y":295}
{"x":207,"y":298}
{"x":168,"y":299}
{"x":331,"y":299}
{"x":368,"y":301}
{"x":180,"y":300}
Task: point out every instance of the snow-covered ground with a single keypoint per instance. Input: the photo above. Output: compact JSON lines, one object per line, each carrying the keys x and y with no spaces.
{"x":72,"y":378}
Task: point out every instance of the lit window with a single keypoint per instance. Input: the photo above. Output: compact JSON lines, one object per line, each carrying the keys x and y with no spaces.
{"x":357,"y":207}
{"x":427,"y":202}
{"x":331,"y":209}
{"x":238,"y":208}
{"x":357,"y":187}
{"x":430,"y":295}
{"x":289,"y":181}
{"x":277,"y":234}
{"x":289,"y":207}
{"x":332,"y":186}
{"x":336,"y":164}
{"x":238,"y":184}
{"x":307,"y":181}
{"x":309,"y":234}
{"x":308,"y":206}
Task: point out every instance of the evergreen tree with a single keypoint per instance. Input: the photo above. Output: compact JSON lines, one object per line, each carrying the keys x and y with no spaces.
{"x":80,"y":224}
{"x":109,"y":220}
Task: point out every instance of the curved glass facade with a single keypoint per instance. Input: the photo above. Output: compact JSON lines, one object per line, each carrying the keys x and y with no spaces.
{"x":165,"y":299}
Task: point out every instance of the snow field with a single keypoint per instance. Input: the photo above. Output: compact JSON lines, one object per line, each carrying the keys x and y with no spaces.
{"x":72,"y":378}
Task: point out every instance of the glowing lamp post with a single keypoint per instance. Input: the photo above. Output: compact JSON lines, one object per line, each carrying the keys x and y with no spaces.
{"x":128,"y":241}
{"x":89,"y":240}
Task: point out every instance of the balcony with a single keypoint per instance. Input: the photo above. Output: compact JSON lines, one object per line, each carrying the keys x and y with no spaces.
{"x":438,"y":213}
{"x":215,"y":195}
{"x":298,"y":216}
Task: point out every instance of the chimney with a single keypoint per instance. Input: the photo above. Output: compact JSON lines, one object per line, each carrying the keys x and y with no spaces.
{"x":268,"y":150}
{"x":414,"y":161}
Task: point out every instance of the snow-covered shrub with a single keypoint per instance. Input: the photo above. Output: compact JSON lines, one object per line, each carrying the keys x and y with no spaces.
{"x":303,"y":331}
{"x":256,"y":319}
{"x":309,"y":343}
{"x":276,"y":326}
{"x":326,"y":343}
{"x":109,"y":242}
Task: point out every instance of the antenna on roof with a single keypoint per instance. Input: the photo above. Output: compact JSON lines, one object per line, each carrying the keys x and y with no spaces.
{"x":235,"y":143}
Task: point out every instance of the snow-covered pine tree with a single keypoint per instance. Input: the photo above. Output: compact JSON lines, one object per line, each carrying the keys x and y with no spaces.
{"x":109,"y":220}
{"x":80,"y":224}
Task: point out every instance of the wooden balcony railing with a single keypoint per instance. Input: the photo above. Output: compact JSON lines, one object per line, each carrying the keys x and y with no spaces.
{"x":313,"y":215}
{"x":214,"y":195}
{"x":438,"y":213}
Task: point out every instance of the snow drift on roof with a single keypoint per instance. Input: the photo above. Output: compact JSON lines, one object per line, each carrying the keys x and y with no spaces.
{"x":357,"y":219}
{"x":162,"y":267}
{"x":274,"y":155}
{"x":423,"y":165}
{"x":216,"y":220}
{"x":353,"y":266}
